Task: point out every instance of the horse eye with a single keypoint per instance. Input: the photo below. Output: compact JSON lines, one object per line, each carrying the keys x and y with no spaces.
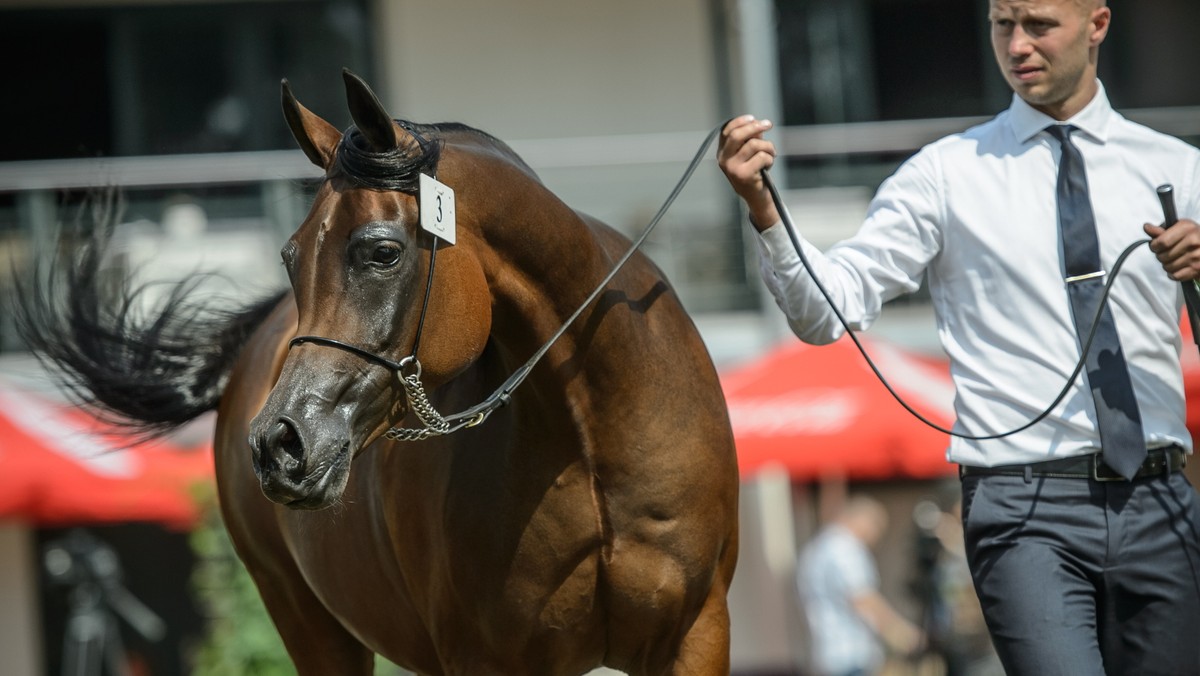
{"x":385,"y":254}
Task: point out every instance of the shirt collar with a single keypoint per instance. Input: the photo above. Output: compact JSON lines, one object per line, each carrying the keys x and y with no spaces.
{"x":1093,"y":120}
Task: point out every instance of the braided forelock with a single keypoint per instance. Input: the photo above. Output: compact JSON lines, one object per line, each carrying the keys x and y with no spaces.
{"x":396,"y":169}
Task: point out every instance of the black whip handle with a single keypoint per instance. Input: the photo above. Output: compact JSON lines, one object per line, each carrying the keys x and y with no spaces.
{"x":1191,"y":296}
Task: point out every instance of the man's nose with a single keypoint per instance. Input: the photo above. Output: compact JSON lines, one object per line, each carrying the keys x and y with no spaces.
{"x":1019,"y":43}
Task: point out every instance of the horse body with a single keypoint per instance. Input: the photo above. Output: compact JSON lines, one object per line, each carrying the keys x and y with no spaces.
{"x":590,"y":521}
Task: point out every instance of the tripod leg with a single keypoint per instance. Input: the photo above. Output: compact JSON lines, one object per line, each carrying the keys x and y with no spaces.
{"x":114,"y":649}
{"x":82,"y":644}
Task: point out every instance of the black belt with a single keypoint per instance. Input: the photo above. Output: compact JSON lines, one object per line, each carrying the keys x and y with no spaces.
{"x":1159,"y":462}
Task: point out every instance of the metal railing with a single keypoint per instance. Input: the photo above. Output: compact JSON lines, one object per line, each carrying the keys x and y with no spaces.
{"x":619,"y":178}
{"x":812,"y":141}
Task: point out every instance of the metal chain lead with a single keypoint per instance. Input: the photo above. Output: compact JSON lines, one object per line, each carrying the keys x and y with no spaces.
{"x":418,"y":403}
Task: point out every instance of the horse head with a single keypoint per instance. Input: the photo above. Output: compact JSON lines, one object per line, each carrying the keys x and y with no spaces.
{"x":359,"y":266}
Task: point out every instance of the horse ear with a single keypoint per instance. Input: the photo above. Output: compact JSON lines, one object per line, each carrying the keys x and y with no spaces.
{"x":368,"y":113}
{"x":316,"y":137}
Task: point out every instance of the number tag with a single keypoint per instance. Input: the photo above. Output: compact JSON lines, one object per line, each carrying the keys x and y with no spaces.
{"x":437,"y":208}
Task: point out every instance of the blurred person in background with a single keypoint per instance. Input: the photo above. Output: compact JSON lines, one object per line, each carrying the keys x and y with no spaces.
{"x":850,"y":623}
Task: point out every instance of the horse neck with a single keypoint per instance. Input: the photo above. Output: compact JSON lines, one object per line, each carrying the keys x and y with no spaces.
{"x":545,"y":261}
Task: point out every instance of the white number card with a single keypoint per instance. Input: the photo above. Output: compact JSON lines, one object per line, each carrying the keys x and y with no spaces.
{"x":437,"y":208}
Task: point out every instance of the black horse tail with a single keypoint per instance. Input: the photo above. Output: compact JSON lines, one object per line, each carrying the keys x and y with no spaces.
{"x":145,"y":369}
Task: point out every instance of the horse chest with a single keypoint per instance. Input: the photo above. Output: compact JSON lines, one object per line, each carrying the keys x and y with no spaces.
{"x":436,"y":550}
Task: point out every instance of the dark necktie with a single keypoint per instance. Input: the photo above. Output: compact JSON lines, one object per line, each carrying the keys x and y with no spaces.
{"x":1121,"y":440}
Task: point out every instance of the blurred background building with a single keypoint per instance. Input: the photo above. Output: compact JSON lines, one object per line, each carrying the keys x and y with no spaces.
{"x":177,"y":102}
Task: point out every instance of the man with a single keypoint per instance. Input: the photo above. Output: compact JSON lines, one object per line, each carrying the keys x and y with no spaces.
{"x":1016,"y":223}
{"x":849,"y":621}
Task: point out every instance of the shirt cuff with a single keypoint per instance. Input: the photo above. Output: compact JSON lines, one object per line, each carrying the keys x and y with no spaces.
{"x":776,"y":246}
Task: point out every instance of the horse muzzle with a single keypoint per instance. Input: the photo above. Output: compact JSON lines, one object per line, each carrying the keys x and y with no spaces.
{"x":292,"y":474}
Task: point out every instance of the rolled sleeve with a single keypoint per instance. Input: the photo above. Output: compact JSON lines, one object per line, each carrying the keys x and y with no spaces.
{"x":885,"y":259}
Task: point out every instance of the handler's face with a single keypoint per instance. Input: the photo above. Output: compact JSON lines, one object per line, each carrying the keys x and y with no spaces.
{"x":1047,"y":50}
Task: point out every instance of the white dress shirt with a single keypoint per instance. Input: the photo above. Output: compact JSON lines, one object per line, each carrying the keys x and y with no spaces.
{"x":977,"y":211}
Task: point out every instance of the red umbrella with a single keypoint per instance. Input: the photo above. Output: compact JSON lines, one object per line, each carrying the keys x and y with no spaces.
{"x":1189,"y":359}
{"x":820,"y":411}
{"x":58,"y":467}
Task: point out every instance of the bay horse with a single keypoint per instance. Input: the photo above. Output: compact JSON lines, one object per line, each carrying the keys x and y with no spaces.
{"x":590,"y":521}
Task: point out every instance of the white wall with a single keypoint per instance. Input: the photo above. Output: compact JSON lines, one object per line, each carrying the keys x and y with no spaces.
{"x":606,"y":100}
{"x":524,"y":69}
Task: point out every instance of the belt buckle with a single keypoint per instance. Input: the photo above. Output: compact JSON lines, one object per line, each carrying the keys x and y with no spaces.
{"x":1097,"y":464}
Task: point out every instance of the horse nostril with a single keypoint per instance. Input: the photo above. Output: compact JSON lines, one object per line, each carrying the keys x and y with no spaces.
{"x":284,"y":437}
{"x":279,"y":448}
{"x":277,"y":433}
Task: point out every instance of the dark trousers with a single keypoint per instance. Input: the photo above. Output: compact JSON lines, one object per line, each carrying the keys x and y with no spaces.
{"x":1081,"y":578}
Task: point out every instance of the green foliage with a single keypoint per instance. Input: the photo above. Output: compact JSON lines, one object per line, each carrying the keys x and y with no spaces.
{"x":241,"y":639}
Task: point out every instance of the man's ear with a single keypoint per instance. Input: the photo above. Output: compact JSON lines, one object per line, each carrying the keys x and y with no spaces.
{"x":1098,"y":23}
